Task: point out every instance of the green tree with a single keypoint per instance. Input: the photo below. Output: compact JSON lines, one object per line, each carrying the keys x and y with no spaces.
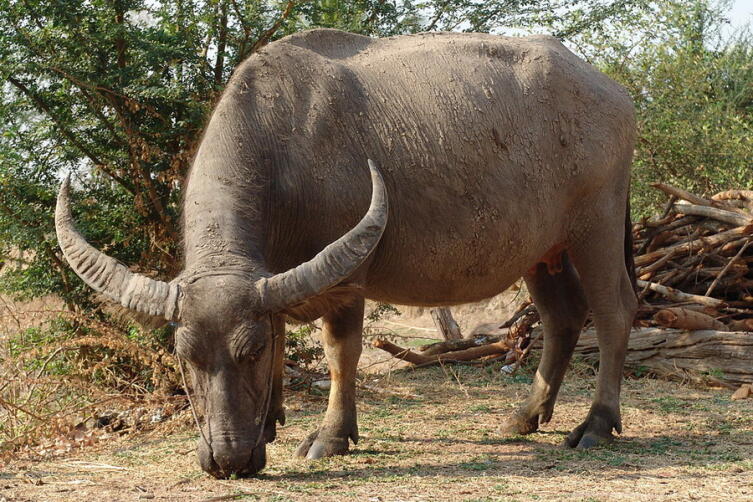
{"x":117,"y":92}
{"x":693,"y":89}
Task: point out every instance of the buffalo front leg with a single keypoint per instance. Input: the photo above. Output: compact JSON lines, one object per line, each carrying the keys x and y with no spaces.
{"x":560,"y":300}
{"x":342,"y":346}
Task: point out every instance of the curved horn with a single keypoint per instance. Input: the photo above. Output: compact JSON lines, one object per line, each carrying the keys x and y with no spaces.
{"x":107,"y":275}
{"x":333,"y":263}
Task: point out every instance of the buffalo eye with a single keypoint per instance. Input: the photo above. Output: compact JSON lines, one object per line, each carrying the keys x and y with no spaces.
{"x":247,"y":345}
{"x":186,"y":347}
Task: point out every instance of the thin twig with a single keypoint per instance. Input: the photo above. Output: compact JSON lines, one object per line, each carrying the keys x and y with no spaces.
{"x":47,"y":361}
{"x":457,"y":379}
{"x":727,"y":267}
{"x":525,"y":352}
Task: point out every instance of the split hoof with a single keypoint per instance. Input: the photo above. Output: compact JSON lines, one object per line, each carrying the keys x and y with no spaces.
{"x":318,"y":445}
{"x":596,"y":430}
{"x":592,"y":440}
{"x":518,"y":424}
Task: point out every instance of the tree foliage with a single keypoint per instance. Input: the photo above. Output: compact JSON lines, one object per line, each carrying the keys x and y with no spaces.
{"x":692,"y":84}
{"x":117,"y":92}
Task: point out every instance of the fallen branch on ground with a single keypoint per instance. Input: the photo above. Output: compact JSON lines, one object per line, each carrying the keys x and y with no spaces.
{"x":489,"y":349}
{"x":682,"y":318}
{"x":678,"y":296}
{"x":452,"y":345}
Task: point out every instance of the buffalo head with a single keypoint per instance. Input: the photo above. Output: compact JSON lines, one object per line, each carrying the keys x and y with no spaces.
{"x":228,"y":330}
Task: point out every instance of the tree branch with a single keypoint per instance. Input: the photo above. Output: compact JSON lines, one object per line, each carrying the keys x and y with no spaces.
{"x":268,"y":34}
{"x":437,"y":16}
{"x":244,"y":26}
{"x":44,"y":108}
{"x":221,"y":46}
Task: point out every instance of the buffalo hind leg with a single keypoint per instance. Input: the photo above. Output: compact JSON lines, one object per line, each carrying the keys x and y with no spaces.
{"x":562,"y":305}
{"x":342,"y":345}
{"x":600,"y":261}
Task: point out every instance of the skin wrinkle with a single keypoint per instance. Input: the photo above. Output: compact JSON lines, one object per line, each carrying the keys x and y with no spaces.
{"x":245,"y":346}
{"x":190,"y":346}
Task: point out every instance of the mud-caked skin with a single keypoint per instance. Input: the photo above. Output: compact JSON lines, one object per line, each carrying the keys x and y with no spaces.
{"x":494,"y":158}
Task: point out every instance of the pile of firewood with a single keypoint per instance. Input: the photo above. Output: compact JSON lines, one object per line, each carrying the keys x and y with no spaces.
{"x":695,"y":262}
{"x":694,"y":265}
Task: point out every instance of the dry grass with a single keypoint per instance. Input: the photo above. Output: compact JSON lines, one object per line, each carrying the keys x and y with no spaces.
{"x":53,"y":376}
{"x":431,"y":435}
{"x":19,"y":410}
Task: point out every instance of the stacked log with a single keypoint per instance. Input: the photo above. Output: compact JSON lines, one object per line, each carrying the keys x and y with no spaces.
{"x":694,"y":263}
{"x":718,"y":358}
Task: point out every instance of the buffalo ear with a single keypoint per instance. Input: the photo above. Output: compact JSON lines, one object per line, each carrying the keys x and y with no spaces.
{"x":332,"y":300}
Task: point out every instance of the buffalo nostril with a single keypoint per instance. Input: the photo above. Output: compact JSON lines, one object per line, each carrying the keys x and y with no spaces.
{"x":232,"y":463}
{"x":224,"y":459}
{"x":206,"y":460}
{"x":232,"y":459}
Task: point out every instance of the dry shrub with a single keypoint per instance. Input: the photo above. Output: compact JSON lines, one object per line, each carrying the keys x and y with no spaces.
{"x":59,"y":368}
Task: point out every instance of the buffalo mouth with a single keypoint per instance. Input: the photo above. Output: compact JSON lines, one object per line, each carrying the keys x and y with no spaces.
{"x":223,"y":461}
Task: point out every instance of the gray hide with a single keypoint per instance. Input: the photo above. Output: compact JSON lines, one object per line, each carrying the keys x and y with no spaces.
{"x":501,"y":158}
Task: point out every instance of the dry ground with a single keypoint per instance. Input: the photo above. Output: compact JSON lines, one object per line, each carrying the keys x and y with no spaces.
{"x":431,"y":435}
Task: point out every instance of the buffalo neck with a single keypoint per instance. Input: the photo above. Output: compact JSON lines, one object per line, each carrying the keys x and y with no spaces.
{"x":223,"y":209}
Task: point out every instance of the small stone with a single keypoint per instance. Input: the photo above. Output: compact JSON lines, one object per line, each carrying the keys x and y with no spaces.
{"x":322,"y":384}
{"x":157,"y":416}
{"x":744,"y":392}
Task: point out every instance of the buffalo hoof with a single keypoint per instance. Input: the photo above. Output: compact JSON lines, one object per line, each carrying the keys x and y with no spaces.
{"x":318,"y":445}
{"x":596,"y":430}
{"x":518,"y":424}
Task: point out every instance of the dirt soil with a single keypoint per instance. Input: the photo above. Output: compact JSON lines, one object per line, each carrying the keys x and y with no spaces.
{"x":432,"y":435}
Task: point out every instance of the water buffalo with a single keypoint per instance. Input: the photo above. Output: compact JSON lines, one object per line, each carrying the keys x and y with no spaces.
{"x":500,"y":158}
